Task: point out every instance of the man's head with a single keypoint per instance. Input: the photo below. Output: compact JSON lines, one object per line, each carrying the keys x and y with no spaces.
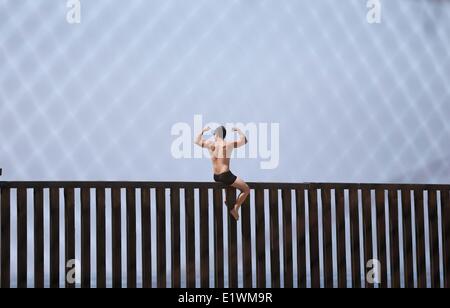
{"x":220,"y":132}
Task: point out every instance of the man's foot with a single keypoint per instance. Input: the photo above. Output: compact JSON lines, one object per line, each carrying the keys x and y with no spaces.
{"x":235,"y":214}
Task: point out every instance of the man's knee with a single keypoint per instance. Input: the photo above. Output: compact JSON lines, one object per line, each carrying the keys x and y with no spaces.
{"x":246,"y":190}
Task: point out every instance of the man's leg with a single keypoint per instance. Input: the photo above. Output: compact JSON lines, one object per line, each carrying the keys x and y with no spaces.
{"x":245,"y":192}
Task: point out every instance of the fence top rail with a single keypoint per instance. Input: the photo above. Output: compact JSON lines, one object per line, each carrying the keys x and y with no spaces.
{"x":208,"y":185}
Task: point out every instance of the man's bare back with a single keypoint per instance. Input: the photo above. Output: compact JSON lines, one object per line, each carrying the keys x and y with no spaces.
{"x":220,"y":151}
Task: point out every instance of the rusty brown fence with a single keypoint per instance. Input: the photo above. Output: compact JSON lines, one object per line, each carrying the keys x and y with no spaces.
{"x":143,"y":234}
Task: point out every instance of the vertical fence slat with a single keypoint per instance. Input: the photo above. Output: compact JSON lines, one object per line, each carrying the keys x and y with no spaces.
{"x":420,"y":238}
{"x":407,"y":239}
{"x":218,"y":238}
{"x":287,"y":239}
{"x":22,"y":238}
{"x":85,"y":238}
{"x":260,"y":239}
{"x":394,"y":238}
{"x":327,"y":238}
{"x":146,"y":238}
{"x":161,"y":237}
{"x":355,"y":238}
{"x":274,"y":239}
{"x":434,"y":238}
{"x":190,"y":238}
{"x":340,"y":234}
{"x":314,"y":237}
{"x":54,"y":237}
{"x":5,"y":281}
{"x":381,"y":235}
{"x":301,"y":237}
{"x":445,"y":205}
{"x":367,"y":221}
{"x":101,"y":237}
{"x":204,"y":238}
{"x":232,"y":241}
{"x":69,"y":235}
{"x":39,"y":238}
{"x":175,"y":234}
{"x":246,"y":244}
{"x":131,"y":237}
{"x":116,"y":238}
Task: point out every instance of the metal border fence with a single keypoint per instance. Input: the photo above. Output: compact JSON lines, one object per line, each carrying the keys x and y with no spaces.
{"x":303,"y":235}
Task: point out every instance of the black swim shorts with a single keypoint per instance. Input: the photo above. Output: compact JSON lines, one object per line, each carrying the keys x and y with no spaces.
{"x":226,"y":178}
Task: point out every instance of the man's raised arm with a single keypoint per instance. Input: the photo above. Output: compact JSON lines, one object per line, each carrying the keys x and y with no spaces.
{"x":242,"y":138}
{"x":199,"y":139}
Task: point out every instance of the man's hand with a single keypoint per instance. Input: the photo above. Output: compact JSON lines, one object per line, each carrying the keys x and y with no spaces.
{"x":206,"y":129}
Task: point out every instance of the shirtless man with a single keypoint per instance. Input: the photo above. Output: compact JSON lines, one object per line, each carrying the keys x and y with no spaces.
{"x":220,"y":151}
